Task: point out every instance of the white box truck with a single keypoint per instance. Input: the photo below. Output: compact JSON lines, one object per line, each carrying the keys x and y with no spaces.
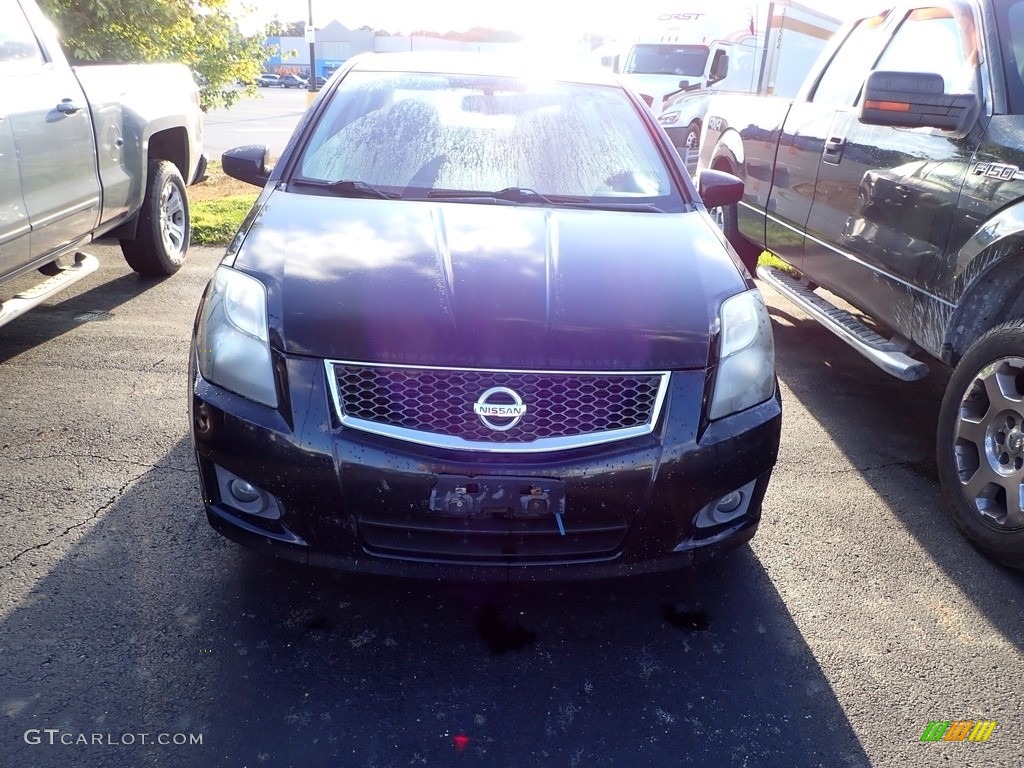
{"x":758,"y":47}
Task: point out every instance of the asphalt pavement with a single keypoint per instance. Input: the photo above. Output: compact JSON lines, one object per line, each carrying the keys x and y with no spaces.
{"x":856,"y":616}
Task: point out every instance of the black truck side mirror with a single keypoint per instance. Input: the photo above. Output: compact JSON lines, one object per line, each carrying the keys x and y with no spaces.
{"x":916,"y":100}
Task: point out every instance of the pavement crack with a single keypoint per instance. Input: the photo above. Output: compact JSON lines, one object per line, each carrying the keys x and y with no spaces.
{"x":99,"y":511}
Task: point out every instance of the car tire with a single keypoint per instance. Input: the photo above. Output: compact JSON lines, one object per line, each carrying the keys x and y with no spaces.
{"x":691,"y":142}
{"x":980,"y":444}
{"x":164,"y":226}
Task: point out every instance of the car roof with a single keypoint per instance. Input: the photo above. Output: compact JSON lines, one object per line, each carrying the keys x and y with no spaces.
{"x":488,"y":64}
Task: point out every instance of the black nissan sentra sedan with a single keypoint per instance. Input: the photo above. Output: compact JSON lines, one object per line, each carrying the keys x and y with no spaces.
{"x":479,"y":323}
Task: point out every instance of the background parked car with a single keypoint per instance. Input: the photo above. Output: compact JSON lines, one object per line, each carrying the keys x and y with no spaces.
{"x":268,"y":81}
{"x":292,"y":81}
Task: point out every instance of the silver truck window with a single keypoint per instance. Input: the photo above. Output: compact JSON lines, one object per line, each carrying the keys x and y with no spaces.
{"x":18,"y":46}
{"x":844,"y":76}
{"x":936,"y":29}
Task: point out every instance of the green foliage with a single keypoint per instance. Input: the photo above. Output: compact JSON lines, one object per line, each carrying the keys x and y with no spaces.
{"x":201,"y":34}
{"x":214,"y":222}
{"x":286,"y":29}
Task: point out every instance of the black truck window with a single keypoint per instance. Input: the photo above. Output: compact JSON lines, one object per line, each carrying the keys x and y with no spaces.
{"x":842,"y":79}
{"x":936,"y":29}
{"x":1010,"y":21}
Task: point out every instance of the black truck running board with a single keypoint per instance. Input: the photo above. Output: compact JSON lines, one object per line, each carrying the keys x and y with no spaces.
{"x":882,"y":352}
{"x":22,"y":302}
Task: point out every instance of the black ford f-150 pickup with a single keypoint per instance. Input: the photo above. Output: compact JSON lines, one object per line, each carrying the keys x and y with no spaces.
{"x":894,"y":180}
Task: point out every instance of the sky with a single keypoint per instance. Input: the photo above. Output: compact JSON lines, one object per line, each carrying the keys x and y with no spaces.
{"x":537,"y":19}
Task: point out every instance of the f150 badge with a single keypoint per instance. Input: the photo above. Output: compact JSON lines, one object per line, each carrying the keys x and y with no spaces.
{"x":996,"y":171}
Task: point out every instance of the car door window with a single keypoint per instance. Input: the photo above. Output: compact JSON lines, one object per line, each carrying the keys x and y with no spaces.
{"x":936,"y":29}
{"x":18,"y":46}
{"x":844,"y":76}
{"x":1010,"y":21}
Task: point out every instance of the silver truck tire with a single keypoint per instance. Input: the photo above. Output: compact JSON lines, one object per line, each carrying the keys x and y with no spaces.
{"x":164,"y":227}
{"x":980,"y":444}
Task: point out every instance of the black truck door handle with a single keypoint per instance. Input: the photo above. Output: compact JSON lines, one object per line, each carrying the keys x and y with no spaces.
{"x":67,"y":107}
{"x":833,"y":150}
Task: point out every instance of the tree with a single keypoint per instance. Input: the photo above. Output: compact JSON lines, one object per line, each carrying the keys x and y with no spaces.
{"x":286,"y":29}
{"x":200,"y":34}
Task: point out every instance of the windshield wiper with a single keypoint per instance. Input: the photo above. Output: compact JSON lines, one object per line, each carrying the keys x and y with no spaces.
{"x":527,"y":196}
{"x":349,"y":188}
{"x":523,"y":195}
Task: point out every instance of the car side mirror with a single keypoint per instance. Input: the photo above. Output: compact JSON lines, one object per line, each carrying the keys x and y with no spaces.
{"x":248,"y":164}
{"x":718,"y":188}
{"x":916,"y":100}
{"x":719,"y":67}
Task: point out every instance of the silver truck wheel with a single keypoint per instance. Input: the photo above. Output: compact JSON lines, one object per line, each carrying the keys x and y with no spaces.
{"x":981,"y":444}
{"x":164,"y":227}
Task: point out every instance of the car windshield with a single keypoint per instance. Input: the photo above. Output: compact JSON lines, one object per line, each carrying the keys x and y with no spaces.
{"x":662,"y":59}
{"x":431,"y":136}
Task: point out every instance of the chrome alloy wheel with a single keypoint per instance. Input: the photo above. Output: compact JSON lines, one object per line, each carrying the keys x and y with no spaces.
{"x":172,"y":219}
{"x":988,"y":444}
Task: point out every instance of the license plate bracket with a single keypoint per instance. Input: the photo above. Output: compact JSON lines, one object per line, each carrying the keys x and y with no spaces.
{"x":517,"y":498}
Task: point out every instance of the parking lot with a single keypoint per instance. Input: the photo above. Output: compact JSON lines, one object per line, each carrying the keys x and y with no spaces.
{"x":857,"y":616}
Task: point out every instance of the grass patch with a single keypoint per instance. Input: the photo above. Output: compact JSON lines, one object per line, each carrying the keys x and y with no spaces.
{"x":214,"y":222}
{"x":771,"y":260}
{"x":218,"y":206}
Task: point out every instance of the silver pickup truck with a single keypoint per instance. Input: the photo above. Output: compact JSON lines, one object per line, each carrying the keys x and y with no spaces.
{"x":89,"y":152}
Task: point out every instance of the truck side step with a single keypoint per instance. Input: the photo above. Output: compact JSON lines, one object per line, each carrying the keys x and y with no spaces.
{"x":883,"y":353}
{"x":22,"y":302}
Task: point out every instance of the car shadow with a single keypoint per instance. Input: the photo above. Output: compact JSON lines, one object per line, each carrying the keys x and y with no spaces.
{"x":67,"y":311}
{"x":150,"y":623}
{"x":884,"y":429}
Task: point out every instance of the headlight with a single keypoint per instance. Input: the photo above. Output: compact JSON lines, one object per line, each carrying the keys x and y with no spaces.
{"x":746,"y":367}
{"x":233,"y":344}
{"x":669,"y":118}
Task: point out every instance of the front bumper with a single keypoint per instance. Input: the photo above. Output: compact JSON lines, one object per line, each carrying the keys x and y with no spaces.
{"x":362,"y":502}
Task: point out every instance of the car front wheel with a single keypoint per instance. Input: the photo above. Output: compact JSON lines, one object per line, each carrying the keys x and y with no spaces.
{"x":164,"y":228}
{"x":980,"y":444}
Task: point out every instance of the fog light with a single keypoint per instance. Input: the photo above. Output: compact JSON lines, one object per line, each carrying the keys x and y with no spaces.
{"x":242,"y":496}
{"x":247,"y":494}
{"x":730,"y":502}
{"x":729,"y":509}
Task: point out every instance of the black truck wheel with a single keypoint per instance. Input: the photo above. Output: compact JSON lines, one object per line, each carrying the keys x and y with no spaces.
{"x":164,"y":227}
{"x":980,"y":444}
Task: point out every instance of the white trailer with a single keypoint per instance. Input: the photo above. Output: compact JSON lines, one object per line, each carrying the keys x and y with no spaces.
{"x":759,"y":47}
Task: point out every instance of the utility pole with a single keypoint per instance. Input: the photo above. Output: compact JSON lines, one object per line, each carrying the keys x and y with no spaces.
{"x":311,"y":39}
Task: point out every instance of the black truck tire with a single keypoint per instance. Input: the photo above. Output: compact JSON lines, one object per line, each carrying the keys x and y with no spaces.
{"x":164,"y":226}
{"x":980,"y":444}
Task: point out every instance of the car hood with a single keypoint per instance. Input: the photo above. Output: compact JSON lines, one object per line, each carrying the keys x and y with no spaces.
{"x":478,"y":285}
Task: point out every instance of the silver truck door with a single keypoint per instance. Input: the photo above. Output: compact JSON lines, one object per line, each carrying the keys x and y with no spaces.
{"x":886,"y":197}
{"x":18,"y":51}
{"x":53,"y":133}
